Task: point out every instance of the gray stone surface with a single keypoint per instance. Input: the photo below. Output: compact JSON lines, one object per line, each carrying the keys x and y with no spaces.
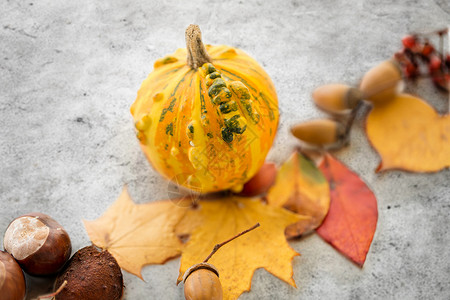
{"x":69,"y":71}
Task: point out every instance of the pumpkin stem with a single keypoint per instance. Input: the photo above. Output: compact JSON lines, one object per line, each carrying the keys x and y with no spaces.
{"x":196,"y":52}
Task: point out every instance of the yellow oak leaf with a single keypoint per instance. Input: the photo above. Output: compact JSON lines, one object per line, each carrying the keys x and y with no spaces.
{"x":302,"y":188}
{"x":138,"y":234}
{"x":265,"y":247}
{"x":409,"y":135}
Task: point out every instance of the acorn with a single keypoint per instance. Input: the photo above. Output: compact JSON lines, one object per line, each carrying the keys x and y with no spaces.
{"x":12,"y":281}
{"x":320,"y":132}
{"x":201,"y":282}
{"x":336,"y":99}
{"x":39,"y":244}
{"x":91,"y":274}
{"x":382,"y":83}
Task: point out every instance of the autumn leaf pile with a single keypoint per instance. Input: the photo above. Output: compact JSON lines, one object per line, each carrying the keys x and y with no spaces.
{"x":303,"y":197}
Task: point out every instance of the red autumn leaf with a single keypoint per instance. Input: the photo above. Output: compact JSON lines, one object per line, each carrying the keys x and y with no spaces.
{"x":261,"y":182}
{"x":352,"y":219}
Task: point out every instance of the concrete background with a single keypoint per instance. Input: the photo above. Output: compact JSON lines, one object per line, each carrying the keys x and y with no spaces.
{"x":69,"y":71}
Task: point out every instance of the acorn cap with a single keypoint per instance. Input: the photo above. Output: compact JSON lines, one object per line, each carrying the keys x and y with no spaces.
{"x":196,"y":267}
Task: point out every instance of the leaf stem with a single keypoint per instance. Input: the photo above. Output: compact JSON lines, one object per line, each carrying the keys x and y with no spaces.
{"x":217,"y":246}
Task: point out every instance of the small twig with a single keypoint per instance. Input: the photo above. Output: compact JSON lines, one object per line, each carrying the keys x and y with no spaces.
{"x":352,"y":117}
{"x":216,"y":247}
{"x":448,"y":83}
{"x":54,"y":294}
{"x":441,"y":45}
{"x":442,"y":31}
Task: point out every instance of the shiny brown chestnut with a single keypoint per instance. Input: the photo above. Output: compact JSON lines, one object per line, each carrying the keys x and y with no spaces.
{"x":12,"y":281}
{"x":39,"y":244}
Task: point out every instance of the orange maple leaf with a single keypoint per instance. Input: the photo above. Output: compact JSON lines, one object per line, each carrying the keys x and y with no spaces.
{"x":409,"y":135}
{"x":138,"y":234}
{"x":265,"y":247}
{"x":301,"y":188}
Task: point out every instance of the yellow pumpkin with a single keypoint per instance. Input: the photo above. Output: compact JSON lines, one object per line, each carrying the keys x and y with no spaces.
{"x":206,"y":116}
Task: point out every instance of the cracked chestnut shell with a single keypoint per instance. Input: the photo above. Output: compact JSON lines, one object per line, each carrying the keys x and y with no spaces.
{"x":91,"y":274}
{"x":12,"y":281}
{"x":39,"y":244}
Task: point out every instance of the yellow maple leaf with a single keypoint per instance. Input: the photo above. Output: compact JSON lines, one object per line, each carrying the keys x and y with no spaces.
{"x":302,"y":188}
{"x":265,"y":247}
{"x":409,"y":135}
{"x":138,"y":234}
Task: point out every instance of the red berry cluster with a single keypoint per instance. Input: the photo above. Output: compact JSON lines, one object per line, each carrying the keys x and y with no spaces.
{"x":419,"y":53}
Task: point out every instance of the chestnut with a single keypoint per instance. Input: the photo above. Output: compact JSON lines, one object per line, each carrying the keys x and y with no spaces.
{"x":39,"y":244}
{"x":91,"y":274}
{"x":12,"y":281}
